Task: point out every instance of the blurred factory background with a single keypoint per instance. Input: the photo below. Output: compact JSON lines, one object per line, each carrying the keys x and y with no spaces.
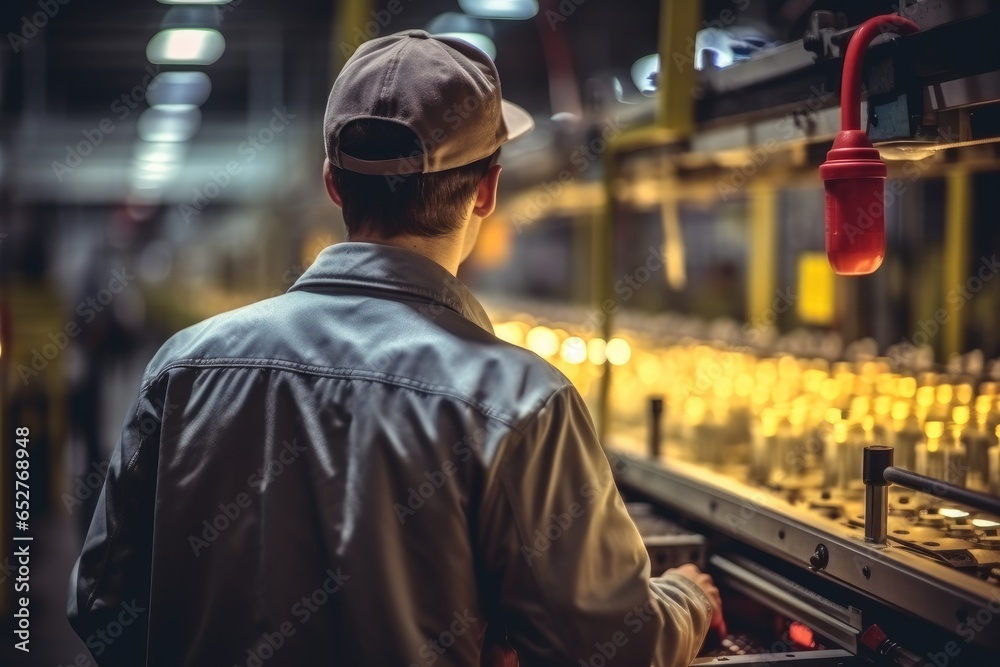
{"x":660,"y":234}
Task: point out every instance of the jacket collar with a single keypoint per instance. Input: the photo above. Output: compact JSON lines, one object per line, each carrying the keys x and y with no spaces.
{"x":371,"y":266}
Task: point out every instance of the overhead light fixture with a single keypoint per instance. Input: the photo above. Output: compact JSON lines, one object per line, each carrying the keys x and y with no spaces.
{"x":149,"y":168}
{"x":153,"y":175}
{"x":646,"y":72}
{"x":169,"y":125}
{"x":500,"y":9}
{"x":478,"y":40}
{"x":187,"y":46}
{"x":148,"y":181}
{"x":159,"y":152}
{"x":191,"y":88}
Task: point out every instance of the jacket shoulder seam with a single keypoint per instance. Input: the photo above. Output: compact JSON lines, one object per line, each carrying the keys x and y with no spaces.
{"x":485,"y":409}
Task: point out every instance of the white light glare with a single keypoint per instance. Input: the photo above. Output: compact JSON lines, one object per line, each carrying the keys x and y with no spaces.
{"x":478,"y":40}
{"x":643,"y":71}
{"x":190,"y":46}
{"x":162,"y":152}
{"x":500,"y":9}
{"x":161,"y":125}
{"x":179,"y":88}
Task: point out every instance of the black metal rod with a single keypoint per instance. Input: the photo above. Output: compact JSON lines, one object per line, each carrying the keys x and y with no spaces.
{"x":877,"y":460}
{"x":935,"y":487}
{"x":655,"y":426}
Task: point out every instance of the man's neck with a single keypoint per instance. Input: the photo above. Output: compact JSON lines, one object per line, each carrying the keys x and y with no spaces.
{"x":444,"y":250}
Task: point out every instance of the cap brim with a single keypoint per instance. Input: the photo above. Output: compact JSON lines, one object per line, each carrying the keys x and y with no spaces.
{"x":517,"y":121}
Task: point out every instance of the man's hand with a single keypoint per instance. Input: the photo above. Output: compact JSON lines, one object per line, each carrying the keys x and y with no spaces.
{"x":707,"y":586}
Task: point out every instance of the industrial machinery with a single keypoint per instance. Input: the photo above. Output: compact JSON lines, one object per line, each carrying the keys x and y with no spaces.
{"x":753,"y":464}
{"x":742,"y":419}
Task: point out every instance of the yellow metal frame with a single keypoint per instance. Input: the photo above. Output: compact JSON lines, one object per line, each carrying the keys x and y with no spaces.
{"x":674,"y":122}
{"x":678,"y":27}
{"x":958,"y":218}
{"x":348,"y":15}
{"x":762,"y":260}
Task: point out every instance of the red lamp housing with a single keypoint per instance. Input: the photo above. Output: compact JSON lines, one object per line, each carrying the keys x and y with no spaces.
{"x":854,"y":174}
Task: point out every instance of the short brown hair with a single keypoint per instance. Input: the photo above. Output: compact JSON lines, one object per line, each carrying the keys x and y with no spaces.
{"x":411,"y":204}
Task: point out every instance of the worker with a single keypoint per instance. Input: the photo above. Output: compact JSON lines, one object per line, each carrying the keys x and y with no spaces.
{"x":358,"y":472}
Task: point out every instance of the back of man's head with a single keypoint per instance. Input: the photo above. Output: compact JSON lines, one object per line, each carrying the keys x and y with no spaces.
{"x":434,"y":204}
{"x":413,"y":125}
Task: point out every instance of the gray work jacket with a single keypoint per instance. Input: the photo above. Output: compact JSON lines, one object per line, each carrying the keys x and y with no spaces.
{"x":358,"y":472}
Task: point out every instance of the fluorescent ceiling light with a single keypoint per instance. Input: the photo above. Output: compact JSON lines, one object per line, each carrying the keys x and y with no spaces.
{"x":156,"y":124}
{"x":161,"y":152}
{"x":156,"y":167}
{"x":478,"y":40}
{"x":189,"y":46}
{"x":179,"y":88}
{"x":176,"y":107}
{"x":500,"y":9}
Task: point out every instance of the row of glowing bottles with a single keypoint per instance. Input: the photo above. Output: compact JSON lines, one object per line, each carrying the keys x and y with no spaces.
{"x":789,"y":420}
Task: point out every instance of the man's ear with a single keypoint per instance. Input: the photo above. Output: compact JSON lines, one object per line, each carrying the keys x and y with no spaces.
{"x":331,"y":187}
{"x":486,"y":195}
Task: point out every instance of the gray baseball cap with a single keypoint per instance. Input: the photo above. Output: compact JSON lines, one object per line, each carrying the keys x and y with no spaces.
{"x":446,"y":91}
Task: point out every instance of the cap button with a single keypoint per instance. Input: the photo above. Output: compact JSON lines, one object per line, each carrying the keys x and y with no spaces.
{"x":422,"y":34}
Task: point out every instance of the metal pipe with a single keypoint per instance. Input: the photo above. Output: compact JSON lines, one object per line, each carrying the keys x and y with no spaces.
{"x":941,"y":489}
{"x":850,"y":86}
{"x":655,"y":426}
{"x":877,"y":460}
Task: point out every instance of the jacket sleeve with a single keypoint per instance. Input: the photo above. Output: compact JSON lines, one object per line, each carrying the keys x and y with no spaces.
{"x":109,"y":586}
{"x":573,"y":575}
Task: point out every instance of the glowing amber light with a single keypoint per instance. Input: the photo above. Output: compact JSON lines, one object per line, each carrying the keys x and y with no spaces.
{"x":830,"y":389}
{"x":934,"y":430}
{"x":768,"y":423}
{"x":695,"y":409}
{"x":596,"y":351}
{"x":767,"y":373}
{"x":573,"y":350}
{"x":907,"y":387}
{"x":945,"y":393}
{"x":649,"y":369}
{"x":960,"y":415}
{"x":859,"y":405}
{"x":925,"y":396}
{"x":542,"y":341}
{"x":618,"y":351}
{"x":900,"y":410}
{"x":494,"y":245}
{"x":723,"y":387}
{"x":510,"y":332}
{"x":840,"y":432}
